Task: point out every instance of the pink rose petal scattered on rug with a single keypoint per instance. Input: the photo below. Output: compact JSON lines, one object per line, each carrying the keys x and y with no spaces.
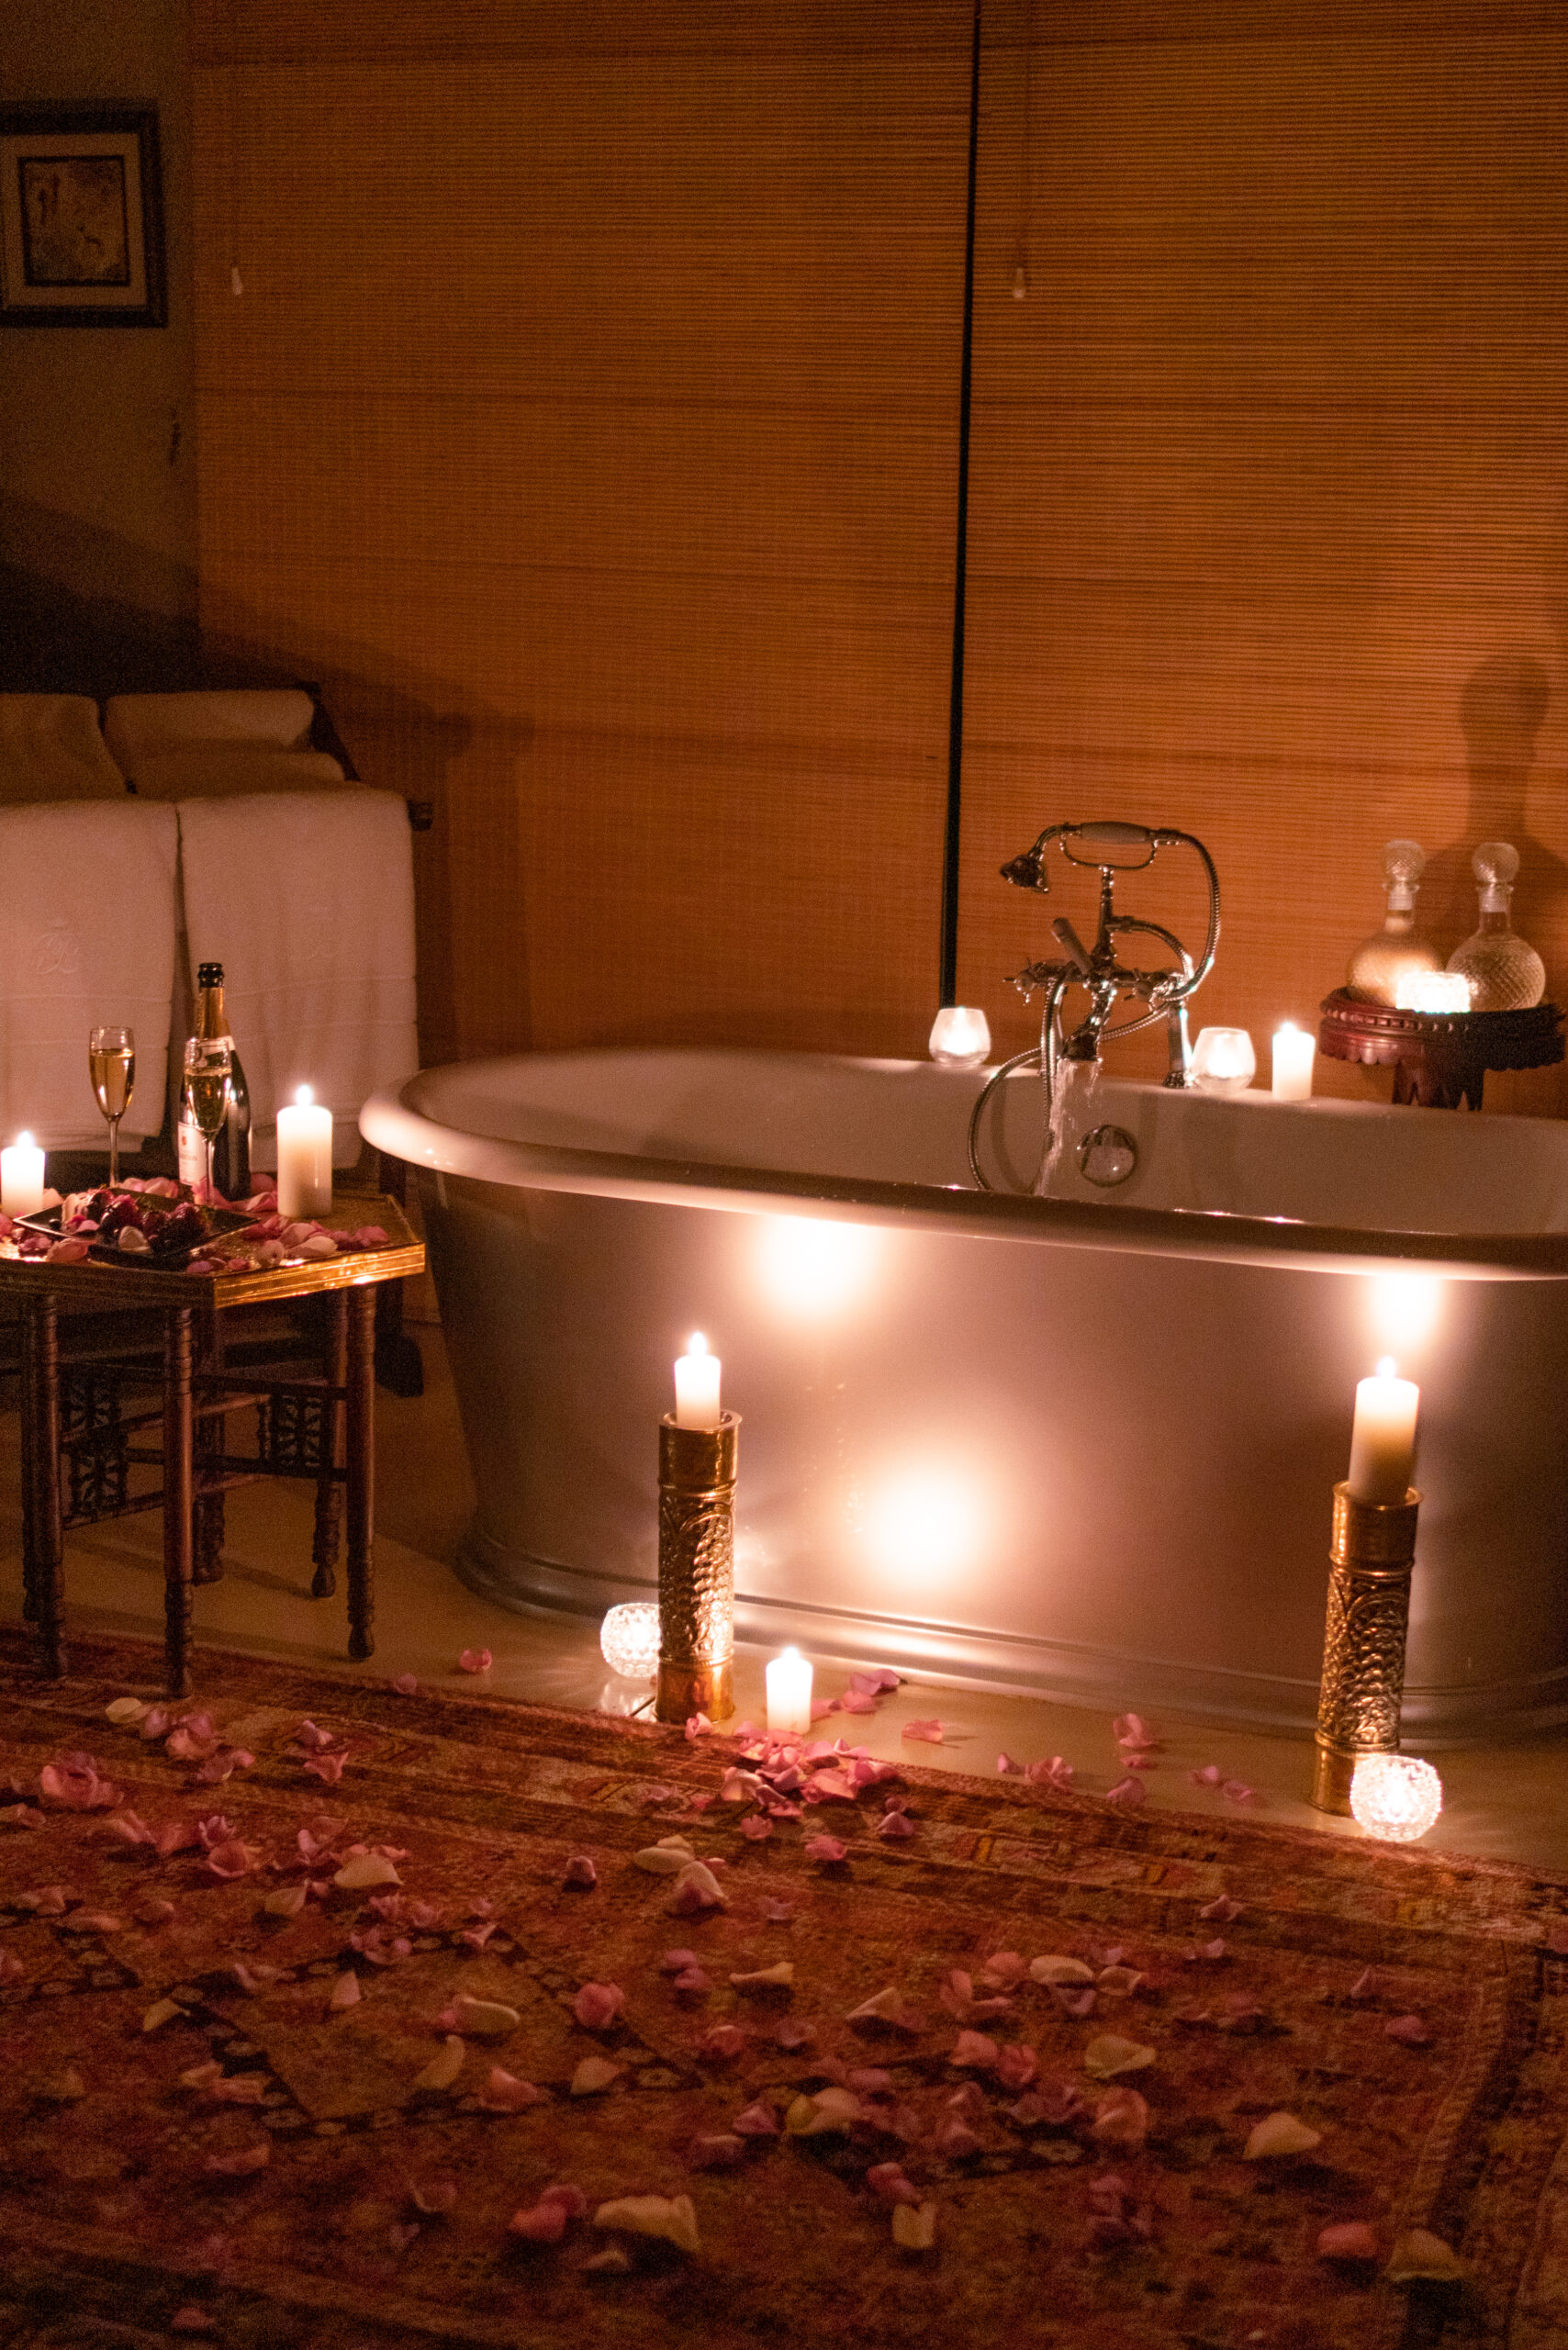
{"x":189,"y":2318}
{"x":73,"y":1783}
{"x":1221,"y":1911}
{"x":1121,"y":2120}
{"x":929,"y":1731}
{"x":723,"y":2151}
{"x":1347,"y":2240}
{"x":1131,"y":1730}
{"x":1006,"y":1767}
{"x":825,"y":1848}
{"x":315,"y":1738}
{"x":895,"y":1824}
{"x":974,"y":2048}
{"x":580,"y":1872}
{"x":1016,"y":2065}
{"x":433,"y":2197}
{"x":757,"y":1827}
{"x":504,"y":2093}
{"x":697,"y":1726}
{"x":888,"y":2180}
{"x":1208,"y":1774}
{"x":232,"y":1859}
{"x":1200,"y":1951}
{"x":1056,"y":1771}
{"x":1238,"y":1791}
{"x":328,"y":1768}
{"x":1409,"y":2030}
{"x":756,"y":2120}
{"x":475,"y":1660}
{"x":405,"y":1685}
{"x":721,"y":2044}
{"x":597,"y":2005}
{"x":1128,"y":1791}
{"x":1365,"y":1985}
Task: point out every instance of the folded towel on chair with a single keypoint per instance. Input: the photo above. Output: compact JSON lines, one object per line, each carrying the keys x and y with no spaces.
{"x":87,"y":937}
{"x":307,"y":899}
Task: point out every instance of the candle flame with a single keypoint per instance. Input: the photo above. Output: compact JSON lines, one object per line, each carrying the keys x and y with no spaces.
{"x":1287,"y":1028}
{"x":304,"y":1096}
{"x":699,"y":1345}
{"x":24,"y":1140}
{"x":1387,"y":1368}
{"x":793,"y":1653}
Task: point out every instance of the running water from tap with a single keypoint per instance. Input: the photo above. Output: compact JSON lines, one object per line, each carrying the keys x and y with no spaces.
{"x":1073,"y":1113}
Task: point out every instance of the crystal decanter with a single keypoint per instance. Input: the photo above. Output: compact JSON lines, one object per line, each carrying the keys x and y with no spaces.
{"x":1381,"y":961}
{"x":1506,"y":974}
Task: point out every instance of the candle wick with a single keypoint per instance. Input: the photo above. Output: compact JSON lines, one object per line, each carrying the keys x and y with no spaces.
{"x":1386,"y":1367}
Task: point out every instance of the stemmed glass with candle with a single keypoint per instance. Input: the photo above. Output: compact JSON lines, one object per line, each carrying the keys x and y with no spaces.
{"x":111,"y":1064}
{"x":207,"y":1067}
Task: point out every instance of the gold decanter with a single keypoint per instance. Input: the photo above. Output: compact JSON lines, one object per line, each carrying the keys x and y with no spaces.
{"x":1391,"y":952}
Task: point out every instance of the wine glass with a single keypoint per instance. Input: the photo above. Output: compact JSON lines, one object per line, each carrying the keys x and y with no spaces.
{"x":111,"y":1063}
{"x":207,"y":1069}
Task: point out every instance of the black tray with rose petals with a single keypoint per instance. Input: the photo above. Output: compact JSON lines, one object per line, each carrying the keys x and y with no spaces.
{"x":169,"y":1232}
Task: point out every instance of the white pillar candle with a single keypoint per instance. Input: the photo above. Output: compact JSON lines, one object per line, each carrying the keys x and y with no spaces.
{"x":790,"y":1694}
{"x":305,"y":1158}
{"x":21,"y":1177}
{"x":1294,"y":1051}
{"x":1382,"y":1442}
{"x":696,"y":1386}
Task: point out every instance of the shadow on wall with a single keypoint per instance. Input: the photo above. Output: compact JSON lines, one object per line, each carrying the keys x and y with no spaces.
{"x":1502,"y":710}
{"x":398,"y":726}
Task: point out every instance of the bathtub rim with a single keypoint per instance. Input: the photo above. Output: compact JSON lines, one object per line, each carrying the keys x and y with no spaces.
{"x":388,"y":1122}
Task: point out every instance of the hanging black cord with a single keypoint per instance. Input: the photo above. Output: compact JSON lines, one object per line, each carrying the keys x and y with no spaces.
{"x":953,"y":837}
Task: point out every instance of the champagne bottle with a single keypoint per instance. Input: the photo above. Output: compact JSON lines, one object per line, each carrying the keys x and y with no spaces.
{"x":232,"y":1149}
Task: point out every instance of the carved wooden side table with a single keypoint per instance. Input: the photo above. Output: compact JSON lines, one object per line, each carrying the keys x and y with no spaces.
{"x":1440,"y":1058}
{"x":319,"y":1423}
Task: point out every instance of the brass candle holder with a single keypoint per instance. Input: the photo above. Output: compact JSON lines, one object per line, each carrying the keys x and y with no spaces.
{"x":1370,"y":1559}
{"x":697,"y":1570}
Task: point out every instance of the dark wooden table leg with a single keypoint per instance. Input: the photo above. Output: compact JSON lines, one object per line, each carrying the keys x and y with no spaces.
{"x":28,"y":1417}
{"x":211,"y":1436}
{"x":328,"y":1491}
{"x":41,"y":1441}
{"x":361,"y":1465}
{"x":178,"y":1486}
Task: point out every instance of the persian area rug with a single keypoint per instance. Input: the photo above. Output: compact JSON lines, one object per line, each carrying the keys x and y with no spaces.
{"x":314,"y":2031}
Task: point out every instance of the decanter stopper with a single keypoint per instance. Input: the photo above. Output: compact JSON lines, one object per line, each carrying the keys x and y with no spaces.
{"x":1381,"y":961}
{"x":1506,"y":974}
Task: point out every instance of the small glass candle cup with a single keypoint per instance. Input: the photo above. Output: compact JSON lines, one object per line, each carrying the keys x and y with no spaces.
{"x":960,"y":1038}
{"x":629,"y":1639}
{"x":1224,"y":1060}
{"x":1395,"y":1798}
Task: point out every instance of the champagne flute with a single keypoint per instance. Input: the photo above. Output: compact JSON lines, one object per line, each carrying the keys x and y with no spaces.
{"x":111,"y":1063}
{"x":208,"y":1071}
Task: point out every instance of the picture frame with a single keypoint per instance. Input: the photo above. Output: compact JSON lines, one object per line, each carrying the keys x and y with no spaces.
{"x":81,"y":218}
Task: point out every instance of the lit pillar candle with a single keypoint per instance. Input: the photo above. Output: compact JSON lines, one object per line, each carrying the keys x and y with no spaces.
{"x":1382,"y":1442}
{"x":304,"y":1158}
{"x":696,"y":1386}
{"x":790,"y":1694}
{"x":1293,"y":1050}
{"x":21,"y":1177}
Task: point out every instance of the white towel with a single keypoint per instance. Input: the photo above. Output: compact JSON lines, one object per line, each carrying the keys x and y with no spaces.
{"x":51,"y":749}
{"x":87,"y":937}
{"x":307,"y":899}
{"x":278,"y":719}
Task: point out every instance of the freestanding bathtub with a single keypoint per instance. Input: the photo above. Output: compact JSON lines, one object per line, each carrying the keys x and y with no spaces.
{"x":1080,"y":1444}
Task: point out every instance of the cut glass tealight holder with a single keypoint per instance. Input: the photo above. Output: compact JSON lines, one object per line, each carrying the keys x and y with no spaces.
{"x":629,"y":1639}
{"x":1396,"y":1797}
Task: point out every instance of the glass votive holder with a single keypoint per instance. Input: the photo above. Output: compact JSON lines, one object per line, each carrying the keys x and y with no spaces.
{"x":629,"y":1639}
{"x":1224,"y":1060}
{"x":1432,"y":992}
{"x":960,"y":1036}
{"x":1396,"y":1797}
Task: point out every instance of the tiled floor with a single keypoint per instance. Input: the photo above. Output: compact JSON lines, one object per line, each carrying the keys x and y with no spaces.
{"x":1508,"y":1802}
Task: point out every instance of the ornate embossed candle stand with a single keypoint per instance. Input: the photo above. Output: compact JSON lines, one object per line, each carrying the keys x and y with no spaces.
{"x":697,"y":1570}
{"x":1372,"y":1553}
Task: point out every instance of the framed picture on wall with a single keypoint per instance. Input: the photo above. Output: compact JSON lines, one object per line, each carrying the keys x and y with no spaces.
{"x":81,"y":218}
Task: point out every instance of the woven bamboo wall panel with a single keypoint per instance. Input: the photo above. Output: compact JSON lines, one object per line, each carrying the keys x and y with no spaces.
{"x":1269,"y":520}
{"x":588,"y":424}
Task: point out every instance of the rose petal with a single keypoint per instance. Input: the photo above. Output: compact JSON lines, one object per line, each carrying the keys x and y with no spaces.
{"x":504,"y":2093}
{"x":974,"y":2048}
{"x":1281,"y":2134}
{"x":930,"y":1732}
{"x":405,"y":1685}
{"x":1110,"y":2055}
{"x":442,"y":2069}
{"x":1347,"y":2240}
{"x":475,"y":1660}
{"x":1419,"y":2254}
{"x":756,"y":2120}
{"x":580,"y":1872}
{"x":1409,"y":2030}
{"x":914,"y":2228}
{"x":672,"y":2218}
{"x":597,"y":2005}
{"x":1128,"y":1791}
{"x":594,"y":2075}
{"x":825,"y":1848}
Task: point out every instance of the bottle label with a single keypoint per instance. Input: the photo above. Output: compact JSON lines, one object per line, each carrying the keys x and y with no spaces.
{"x":192,"y":1154}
